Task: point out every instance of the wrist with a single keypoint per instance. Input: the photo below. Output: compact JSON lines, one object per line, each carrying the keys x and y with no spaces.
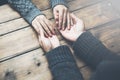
{"x":78,"y":36}
{"x":55,"y":46}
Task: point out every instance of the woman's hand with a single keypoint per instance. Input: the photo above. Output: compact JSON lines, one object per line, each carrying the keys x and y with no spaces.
{"x":48,"y":43}
{"x":75,"y":31}
{"x":41,"y":22}
{"x":62,"y":17}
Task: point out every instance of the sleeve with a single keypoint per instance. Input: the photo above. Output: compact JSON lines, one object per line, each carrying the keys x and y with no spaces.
{"x":91,"y":50}
{"x":107,"y":70}
{"x":26,"y":8}
{"x":63,"y":65}
{"x":57,"y":2}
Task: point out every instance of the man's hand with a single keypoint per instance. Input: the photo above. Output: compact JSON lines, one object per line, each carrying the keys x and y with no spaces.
{"x":41,"y":22}
{"x":48,"y":43}
{"x":75,"y":31}
{"x":62,"y":17}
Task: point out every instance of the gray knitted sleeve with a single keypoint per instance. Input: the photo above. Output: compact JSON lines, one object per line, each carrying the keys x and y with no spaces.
{"x":26,"y":8}
{"x":57,"y":2}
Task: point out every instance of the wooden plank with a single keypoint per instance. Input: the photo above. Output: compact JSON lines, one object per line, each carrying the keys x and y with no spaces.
{"x":115,"y":3}
{"x":42,"y":4}
{"x":18,"y":42}
{"x":97,"y":14}
{"x":93,"y":16}
{"x":30,"y":66}
{"x":12,"y":26}
{"x":109,"y":35}
{"x":7,"y":13}
{"x":5,"y":10}
{"x":86,"y":72}
{"x":78,"y":4}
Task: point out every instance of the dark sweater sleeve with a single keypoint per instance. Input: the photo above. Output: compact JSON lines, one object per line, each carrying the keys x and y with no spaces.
{"x":107,"y":70}
{"x":57,"y":2}
{"x":63,"y":65}
{"x":91,"y":50}
{"x":26,"y":8}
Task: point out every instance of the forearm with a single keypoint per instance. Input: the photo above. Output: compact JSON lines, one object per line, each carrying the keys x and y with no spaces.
{"x":57,"y":2}
{"x":91,"y":50}
{"x":26,"y":8}
{"x":62,"y":64}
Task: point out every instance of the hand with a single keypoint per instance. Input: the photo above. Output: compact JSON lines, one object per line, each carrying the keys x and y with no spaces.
{"x":41,"y":22}
{"x":48,"y":43}
{"x":63,"y":17}
{"x":75,"y":31}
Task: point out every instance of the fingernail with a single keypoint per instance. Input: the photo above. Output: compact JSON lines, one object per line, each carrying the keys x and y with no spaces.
{"x":68,"y":28}
{"x":50,"y":35}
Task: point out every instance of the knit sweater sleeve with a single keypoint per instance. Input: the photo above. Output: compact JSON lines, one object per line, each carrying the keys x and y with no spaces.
{"x":26,"y":8}
{"x":62,"y":64}
{"x":57,"y":2}
{"x":91,"y":50}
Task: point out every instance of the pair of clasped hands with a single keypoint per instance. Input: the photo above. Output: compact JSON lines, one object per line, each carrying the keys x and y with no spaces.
{"x":67,"y":24}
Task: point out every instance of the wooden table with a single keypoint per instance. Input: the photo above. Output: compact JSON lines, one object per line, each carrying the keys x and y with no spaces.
{"x":20,"y":53}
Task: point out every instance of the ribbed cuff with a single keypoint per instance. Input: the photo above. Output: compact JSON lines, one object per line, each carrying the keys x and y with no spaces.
{"x":32,"y":14}
{"x":59,"y":55}
{"x":58,"y":2}
{"x":91,"y":50}
{"x":85,"y":42}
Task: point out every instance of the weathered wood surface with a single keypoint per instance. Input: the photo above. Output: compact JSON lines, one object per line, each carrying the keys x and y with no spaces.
{"x":20,"y":52}
{"x":22,"y":33}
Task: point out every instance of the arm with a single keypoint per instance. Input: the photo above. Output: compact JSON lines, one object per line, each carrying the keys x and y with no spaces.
{"x":63,"y":65}
{"x":34,"y":16}
{"x":60,"y":59}
{"x":26,"y":8}
{"x":86,"y":46}
{"x":91,"y":50}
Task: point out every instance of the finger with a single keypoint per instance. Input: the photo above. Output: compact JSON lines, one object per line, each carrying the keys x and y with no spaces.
{"x":56,"y":13}
{"x":64,"y":19}
{"x":56,"y":17}
{"x":68,"y":21}
{"x":72,"y":23}
{"x":73,"y":18}
{"x":41,"y":31}
{"x":50,"y":26}
{"x":35,"y":26}
{"x":60,"y":19}
{"x":45,"y":27}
